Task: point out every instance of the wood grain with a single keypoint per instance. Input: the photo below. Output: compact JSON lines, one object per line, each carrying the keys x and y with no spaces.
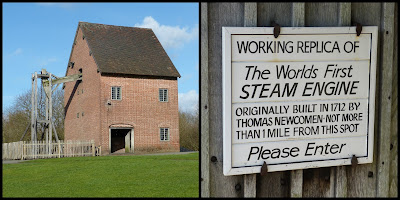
{"x":204,"y":115}
{"x":219,"y":15}
{"x":365,"y":180}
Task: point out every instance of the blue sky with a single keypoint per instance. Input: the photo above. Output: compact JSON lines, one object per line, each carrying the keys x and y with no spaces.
{"x":40,"y":35}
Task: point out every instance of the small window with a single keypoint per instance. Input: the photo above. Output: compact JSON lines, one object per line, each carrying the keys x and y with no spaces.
{"x":77,"y":115}
{"x":163,"y":95}
{"x":83,"y":114}
{"x":115,"y":93}
{"x":164,"y":134}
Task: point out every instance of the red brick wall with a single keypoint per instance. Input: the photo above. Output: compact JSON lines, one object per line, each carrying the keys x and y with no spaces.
{"x":85,"y":127}
{"x":139,"y":107}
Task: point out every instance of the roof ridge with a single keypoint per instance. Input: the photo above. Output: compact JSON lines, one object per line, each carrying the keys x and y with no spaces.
{"x":81,"y":22}
{"x":126,"y":50}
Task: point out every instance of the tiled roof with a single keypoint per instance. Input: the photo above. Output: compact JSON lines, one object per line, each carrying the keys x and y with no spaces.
{"x":127,"y":50}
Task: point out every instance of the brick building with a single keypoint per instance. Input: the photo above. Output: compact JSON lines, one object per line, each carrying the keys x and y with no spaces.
{"x":127,"y":99}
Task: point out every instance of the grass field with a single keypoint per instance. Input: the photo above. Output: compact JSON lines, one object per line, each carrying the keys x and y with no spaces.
{"x":105,"y":176}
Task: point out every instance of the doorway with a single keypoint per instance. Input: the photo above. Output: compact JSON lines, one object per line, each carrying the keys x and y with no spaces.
{"x":121,"y":140}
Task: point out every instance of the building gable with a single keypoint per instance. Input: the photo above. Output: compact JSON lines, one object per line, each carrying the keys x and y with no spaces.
{"x":127,"y":50}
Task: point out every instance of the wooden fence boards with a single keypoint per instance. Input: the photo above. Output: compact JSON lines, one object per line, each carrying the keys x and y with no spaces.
{"x":12,"y":151}
{"x":23,"y":150}
{"x":343,"y":181}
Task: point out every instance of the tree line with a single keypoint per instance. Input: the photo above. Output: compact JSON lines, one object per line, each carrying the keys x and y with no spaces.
{"x":17,"y":119}
{"x":189,"y":130}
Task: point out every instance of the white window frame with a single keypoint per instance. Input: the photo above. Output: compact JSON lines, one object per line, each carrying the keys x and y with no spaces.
{"x":164,"y":132}
{"x":164,"y":97}
{"x":116,"y":96}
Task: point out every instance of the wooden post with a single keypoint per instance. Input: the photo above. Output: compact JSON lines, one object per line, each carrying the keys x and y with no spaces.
{"x":46,"y":129}
{"x":33,"y":112}
{"x":383,"y":161}
{"x":250,"y":20}
{"x":93,"y":148}
{"x":23,"y":148}
{"x":49,"y":95}
{"x":59,"y":149}
{"x":340,"y":189}
{"x":296,"y":176}
{"x":205,"y":135}
{"x":250,"y":181}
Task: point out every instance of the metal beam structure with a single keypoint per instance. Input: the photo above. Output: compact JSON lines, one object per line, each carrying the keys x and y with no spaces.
{"x":48,"y":81}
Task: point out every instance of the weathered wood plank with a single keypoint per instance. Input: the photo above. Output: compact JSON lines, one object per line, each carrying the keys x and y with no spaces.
{"x":296,"y":183}
{"x":316,"y":182}
{"x":344,"y":14}
{"x":220,"y":14}
{"x":366,"y":180}
{"x":274,"y":12}
{"x":204,"y":115}
{"x":367,"y":14}
{"x":250,"y":14}
{"x":340,"y":178}
{"x":250,"y":20}
{"x":393,"y":187}
{"x":65,"y":79}
{"x":275,"y":184}
{"x":359,"y":184}
{"x":321,"y":14}
{"x":296,"y":176}
{"x":383,"y":163}
{"x":298,"y":15}
{"x":250,"y":186}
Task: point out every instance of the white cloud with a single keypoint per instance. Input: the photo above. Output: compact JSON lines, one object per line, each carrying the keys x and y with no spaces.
{"x":61,"y":5}
{"x":16,"y":52}
{"x":47,"y":61}
{"x":188,"y":102}
{"x":170,"y":36}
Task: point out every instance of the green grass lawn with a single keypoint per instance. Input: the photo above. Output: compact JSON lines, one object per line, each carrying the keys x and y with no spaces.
{"x":104,"y":176}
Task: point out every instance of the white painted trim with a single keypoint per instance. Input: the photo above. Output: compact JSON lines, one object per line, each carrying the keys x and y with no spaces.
{"x":227,"y":32}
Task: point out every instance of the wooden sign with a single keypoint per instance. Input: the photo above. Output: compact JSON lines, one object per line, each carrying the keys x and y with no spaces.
{"x":305,"y":99}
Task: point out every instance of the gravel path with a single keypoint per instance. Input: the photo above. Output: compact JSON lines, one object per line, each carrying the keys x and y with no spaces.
{"x":13,"y":161}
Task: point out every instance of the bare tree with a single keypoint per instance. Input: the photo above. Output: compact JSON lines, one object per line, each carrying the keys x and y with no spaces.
{"x":189,"y":130}
{"x":17,"y":117}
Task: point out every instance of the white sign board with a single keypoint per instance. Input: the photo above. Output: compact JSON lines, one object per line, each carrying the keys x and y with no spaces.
{"x":303,"y":100}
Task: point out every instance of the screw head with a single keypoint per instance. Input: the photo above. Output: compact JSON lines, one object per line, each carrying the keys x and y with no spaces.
{"x":213,"y":159}
{"x":283,"y":182}
{"x":370,"y":174}
{"x":238,"y":187}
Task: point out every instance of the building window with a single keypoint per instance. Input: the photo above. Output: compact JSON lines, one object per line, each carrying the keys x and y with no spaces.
{"x":164,"y":134}
{"x":77,"y":115}
{"x":163,"y":95}
{"x":115,"y":93}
